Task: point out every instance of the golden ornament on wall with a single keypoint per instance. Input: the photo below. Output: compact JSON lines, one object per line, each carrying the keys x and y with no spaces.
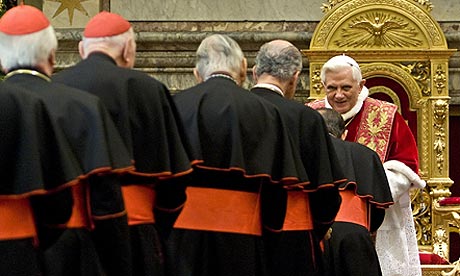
{"x":70,"y":6}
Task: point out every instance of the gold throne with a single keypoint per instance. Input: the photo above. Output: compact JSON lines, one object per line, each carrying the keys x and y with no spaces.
{"x":404,"y":56}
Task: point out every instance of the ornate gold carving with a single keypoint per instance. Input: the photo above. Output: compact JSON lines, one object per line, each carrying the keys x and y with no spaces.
{"x":317,"y":85}
{"x":397,"y":73}
{"x":426,"y":3}
{"x":421,"y":208}
{"x":455,"y":270}
{"x":420,"y":71}
{"x":440,"y":79}
{"x":378,"y":29}
{"x":440,"y":240}
{"x":2,"y":8}
{"x":328,"y":27}
{"x":439,"y":144}
{"x":425,"y":138}
{"x":331,"y":3}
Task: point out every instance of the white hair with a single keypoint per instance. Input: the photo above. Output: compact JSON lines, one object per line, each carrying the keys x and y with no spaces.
{"x":218,"y":53}
{"x":112,"y":42}
{"x":340,"y":62}
{"x":18,"y":51}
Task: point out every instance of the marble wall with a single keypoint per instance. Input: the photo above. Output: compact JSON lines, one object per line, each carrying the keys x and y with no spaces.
{"x":246,"y":10}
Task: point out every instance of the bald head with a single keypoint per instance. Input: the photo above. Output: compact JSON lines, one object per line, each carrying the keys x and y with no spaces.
{"x":278,"y":63}
{"x":279,"y":44}
{"x":278,"y":58}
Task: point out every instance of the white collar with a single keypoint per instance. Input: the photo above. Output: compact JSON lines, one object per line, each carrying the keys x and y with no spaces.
{"x":359,"y":103}
{"x":270,"y":86}
{"x":219,"y":75}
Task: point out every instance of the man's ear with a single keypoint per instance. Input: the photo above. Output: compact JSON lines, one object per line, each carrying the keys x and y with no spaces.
{"x":244,"y":69}
{"x":81,"y":50}
{"x":295,"y":78}
{"x":254,"y":75}
{"x":361,"y":84}
{"x":291,"y":85}
{"x":198,"y":78}
{"x":128,"y":50}
{"x":52,"y":58}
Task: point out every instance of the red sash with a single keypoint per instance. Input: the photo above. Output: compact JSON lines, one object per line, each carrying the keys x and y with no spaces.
{"x":80,"y":214}
{"x":353,"y":209}
{"x":16,"y":219}
{"x":298,"y":214}
{"x":221,"y":210}
{"x":139,"y":203}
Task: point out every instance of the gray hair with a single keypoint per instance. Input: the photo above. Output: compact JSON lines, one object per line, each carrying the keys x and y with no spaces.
{"x":339,"y":63}
{"x":334,"y":122}
{"x":218,"y":53}
{"x":27,"y":50}
{"x":281,"y":63}
{"x":116,"y":41}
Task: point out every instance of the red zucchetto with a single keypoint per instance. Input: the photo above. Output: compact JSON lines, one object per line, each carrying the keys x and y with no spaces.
{"x":22,"y":20}
{"x":106,"y":24}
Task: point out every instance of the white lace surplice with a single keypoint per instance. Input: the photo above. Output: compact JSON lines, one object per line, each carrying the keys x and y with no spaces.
{"x":397,"y":247}
{"x":396,"y":241}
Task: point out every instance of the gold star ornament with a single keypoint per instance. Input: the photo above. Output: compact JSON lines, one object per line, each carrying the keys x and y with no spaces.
{"x":70,"y":6}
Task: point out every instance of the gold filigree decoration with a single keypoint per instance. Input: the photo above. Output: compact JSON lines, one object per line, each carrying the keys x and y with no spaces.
{"x":440,"y":79}
{"x":420,"y":71}
{"x":439,"y":144}
{"x":325,"y":7}
{"x":378,"y":29}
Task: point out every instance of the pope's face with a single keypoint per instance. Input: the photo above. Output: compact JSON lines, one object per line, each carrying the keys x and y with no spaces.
{"x":342,"y":90}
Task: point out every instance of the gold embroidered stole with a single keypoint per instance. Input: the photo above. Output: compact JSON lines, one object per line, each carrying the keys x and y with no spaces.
{"x":375,"y":126}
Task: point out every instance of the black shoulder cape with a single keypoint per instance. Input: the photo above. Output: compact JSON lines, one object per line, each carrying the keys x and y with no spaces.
{"x":52,"y":136}
{"x":143,"y":112}
{"x":364,"y":171}
{"x":232,"y":130}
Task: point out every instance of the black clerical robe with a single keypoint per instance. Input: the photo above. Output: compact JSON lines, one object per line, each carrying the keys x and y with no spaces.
{"x":147,"y":120}
{"x":312,"y":141}
{"x":58,"y":138}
